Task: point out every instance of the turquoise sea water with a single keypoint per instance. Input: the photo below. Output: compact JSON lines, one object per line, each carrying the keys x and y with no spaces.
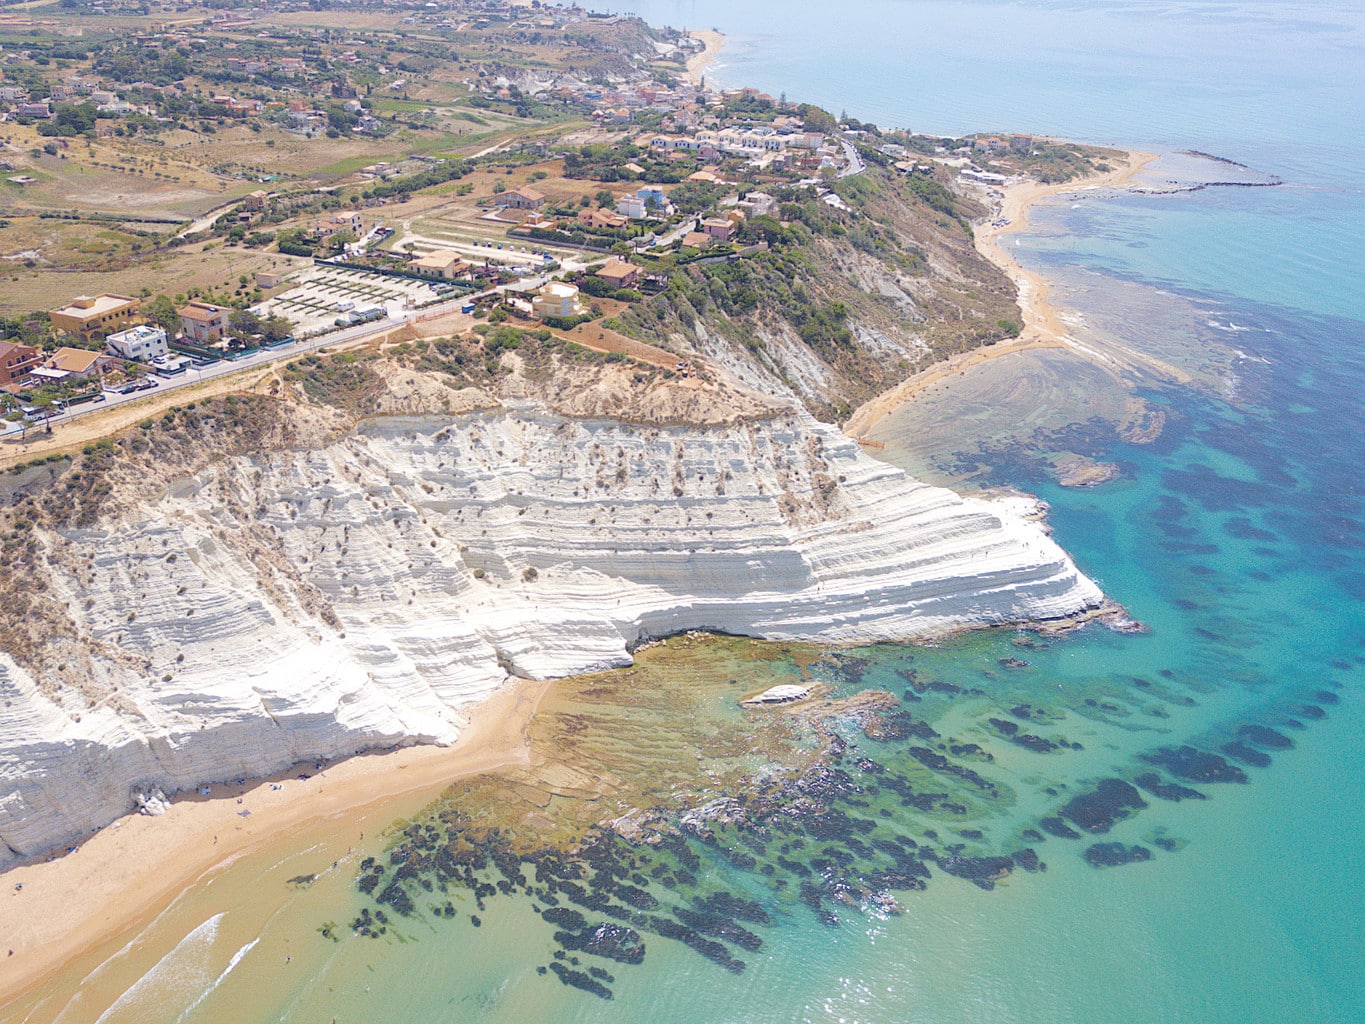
{"x":1237,"y":536}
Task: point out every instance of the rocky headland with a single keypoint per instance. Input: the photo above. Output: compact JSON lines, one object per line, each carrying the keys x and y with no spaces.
{"x":269,"y":579}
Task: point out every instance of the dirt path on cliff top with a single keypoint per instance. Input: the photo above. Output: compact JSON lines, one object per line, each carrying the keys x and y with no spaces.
{"x":1043,"y":326}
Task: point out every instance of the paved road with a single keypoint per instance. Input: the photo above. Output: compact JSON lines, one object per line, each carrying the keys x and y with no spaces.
{"x":259,"y":359}
{"x":855,"y":162}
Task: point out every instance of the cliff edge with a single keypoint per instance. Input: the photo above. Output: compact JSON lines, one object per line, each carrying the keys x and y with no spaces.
{"x":260,"y":580}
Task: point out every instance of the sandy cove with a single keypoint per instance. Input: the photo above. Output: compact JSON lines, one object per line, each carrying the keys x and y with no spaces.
{"x":699,"y":62}
{"x":132,"y":870}
{"x":1043,"y":327}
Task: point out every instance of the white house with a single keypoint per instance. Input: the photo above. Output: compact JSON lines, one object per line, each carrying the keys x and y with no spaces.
{"x":557,"y":299}
{"x":632,"y":207}
{"x":141,"y":344}
{"x":757,"y":204}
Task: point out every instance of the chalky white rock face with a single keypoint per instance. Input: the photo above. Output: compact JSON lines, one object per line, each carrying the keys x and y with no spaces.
{"x":309,"y":605}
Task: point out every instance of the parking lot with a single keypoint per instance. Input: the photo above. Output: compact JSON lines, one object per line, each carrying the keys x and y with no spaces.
{"x":321,"y":294}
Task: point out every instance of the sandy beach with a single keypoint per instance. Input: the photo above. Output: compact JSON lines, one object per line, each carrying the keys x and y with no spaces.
{"x":699,"y":62}
{"x":1043,"y":327}
{"x":134,"y":868}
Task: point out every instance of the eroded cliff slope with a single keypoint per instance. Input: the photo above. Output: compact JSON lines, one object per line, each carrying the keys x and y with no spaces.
{"x":263,"y":580}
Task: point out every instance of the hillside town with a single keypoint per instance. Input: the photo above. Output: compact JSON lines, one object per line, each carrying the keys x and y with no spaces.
{"x":502,"y":180}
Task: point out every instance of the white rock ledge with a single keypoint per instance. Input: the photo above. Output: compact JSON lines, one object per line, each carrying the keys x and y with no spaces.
{"x":313,"y":604}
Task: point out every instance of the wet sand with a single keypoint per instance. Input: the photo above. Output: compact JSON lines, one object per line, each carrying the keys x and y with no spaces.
{"x":55,"y":911}
{"x":699,"y":62}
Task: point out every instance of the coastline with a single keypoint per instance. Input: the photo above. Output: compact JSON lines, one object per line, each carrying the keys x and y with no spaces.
{"x":135,"y":867}
{"x":697,"y":64}
{"x":1043,"y":326}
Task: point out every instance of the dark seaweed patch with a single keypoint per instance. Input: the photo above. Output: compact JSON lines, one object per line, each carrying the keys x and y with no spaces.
{"x":939,"y":763}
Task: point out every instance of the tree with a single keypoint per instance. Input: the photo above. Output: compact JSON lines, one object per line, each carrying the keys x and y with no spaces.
{"x":606,"y":199}
{"x":814,"y":119}
{"x":273,"y":328}
{"x":162,"y":312}
{"x":764,"y":229}
{"x":339,"y":241}
{"x":243,"y":323}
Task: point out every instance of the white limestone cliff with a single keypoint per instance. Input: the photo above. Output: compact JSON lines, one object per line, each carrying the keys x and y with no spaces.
{"x":311,"y":604}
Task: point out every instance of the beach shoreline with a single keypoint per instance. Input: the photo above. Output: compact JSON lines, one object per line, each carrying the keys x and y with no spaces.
{"x":1042,"y":324}
{"x":135,"y":867}
{"x":697,"y":64}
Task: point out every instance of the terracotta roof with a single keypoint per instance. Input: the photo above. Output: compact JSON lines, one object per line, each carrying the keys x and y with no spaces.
{"x":617,"y":270}
{"x":202,"y":313}
{"x":529,"y":193}
{"x":73,"y":360}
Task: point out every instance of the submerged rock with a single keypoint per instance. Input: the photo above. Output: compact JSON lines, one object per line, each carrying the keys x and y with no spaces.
{"x":580,"y":979}
{"x":1246,"y":754}
{"x":1057,"y":827}
{"x":1035,"y":743}
{"x":896,"y":725}
{"x":1195,"y":765}
{"x":1112,"y":801}
{"x":1110,"y":855}
{"x":1263,"y":736}
{"x":613,"y":941}
{"x":981,"y":871}
{"x":1151,"y":782}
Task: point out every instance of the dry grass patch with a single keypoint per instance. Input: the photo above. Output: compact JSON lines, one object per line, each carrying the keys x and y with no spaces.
{"x":178,"y":271}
